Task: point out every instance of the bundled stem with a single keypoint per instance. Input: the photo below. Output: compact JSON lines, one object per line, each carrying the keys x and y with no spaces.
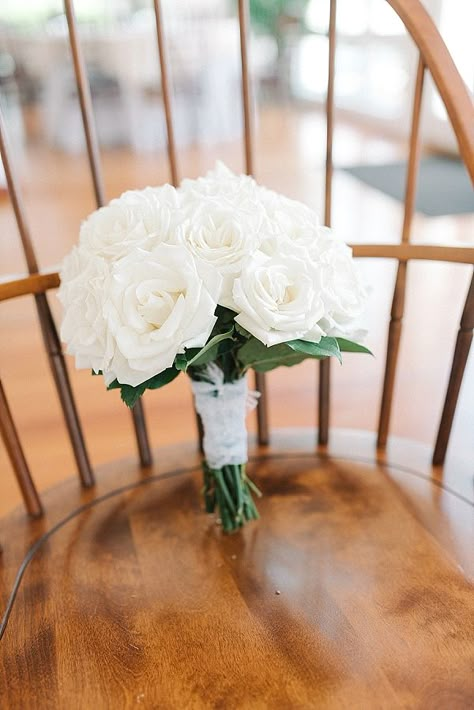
{"x":229,"y":489}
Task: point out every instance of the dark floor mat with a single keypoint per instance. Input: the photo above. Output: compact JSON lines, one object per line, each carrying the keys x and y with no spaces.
{"x":444,"y":186}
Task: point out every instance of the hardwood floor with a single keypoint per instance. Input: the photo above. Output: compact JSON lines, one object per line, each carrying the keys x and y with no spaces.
{"x":351,"y":591}
{"x":290,"y":149}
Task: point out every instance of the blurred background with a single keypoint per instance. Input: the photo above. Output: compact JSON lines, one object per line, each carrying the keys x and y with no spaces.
{"x":375,"y":72}
{"x":375,"y":62}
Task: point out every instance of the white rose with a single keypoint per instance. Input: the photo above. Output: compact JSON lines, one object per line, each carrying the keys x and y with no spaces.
{"x":290,"y":227}
{"x":84,"y":282}
{"x":342,"y":291}
{"x":223,"y":236}
{"x":139,"y":218}
{"x":286,"y":214}
{"x":220,"y":183}
{"x":278,"y":299}
{"x":310,"y":242}
{"x":159,"y":303}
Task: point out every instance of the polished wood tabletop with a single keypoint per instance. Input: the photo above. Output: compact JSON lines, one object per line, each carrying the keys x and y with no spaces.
{"x":353,"y":590}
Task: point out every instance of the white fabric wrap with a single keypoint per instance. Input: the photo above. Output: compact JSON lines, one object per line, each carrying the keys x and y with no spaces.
{"x":223,"y":409}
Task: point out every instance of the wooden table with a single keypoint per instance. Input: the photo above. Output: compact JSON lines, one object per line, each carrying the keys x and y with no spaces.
{"x":352,"y":591}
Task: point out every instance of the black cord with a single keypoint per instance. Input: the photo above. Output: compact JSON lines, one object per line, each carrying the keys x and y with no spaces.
{"x":61,"y":523}
{"x":172,"y":474}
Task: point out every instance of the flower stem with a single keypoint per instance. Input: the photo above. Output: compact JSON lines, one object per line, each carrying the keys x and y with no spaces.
{"x":229,"y":489}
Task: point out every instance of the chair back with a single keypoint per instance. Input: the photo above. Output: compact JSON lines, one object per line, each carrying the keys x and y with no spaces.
{"x":433,"y":58}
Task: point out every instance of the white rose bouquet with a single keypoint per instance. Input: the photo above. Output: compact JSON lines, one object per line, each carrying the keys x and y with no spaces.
{"x":214,"y":278}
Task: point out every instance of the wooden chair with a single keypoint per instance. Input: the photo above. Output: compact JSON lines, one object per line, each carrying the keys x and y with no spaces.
{"x":353,"y":588}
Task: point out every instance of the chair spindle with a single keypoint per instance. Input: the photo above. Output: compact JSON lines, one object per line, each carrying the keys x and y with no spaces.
{"x":260,"y":380}
{"x":398,"y":301}
{"x":17,"y":458}
{"x":171,"y":144}
{"x":325,"y":365}
{"x":48,"y":328}
{"x":166,"y":91}
{"x":90,"y":133}
{"x":461,"y":353}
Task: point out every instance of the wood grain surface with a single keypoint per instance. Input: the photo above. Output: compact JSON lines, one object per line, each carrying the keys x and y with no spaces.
{"x":352,"y":591}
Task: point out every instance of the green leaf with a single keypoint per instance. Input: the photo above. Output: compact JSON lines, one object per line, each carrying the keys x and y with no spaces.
{"x":180,"y":362}
{"x":242,"y":331}
{"x":164,"y":378}
{"x":209,"y":351}
{"x":254,"y":354}
{"x":348,"y":346}
{"x":227,"y":345}
{"x":224,"y":316}
{"x":327,"y":347}
{"x":130,"y":395}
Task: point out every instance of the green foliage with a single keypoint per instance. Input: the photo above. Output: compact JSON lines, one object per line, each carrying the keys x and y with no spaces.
{"x":181,"y":362}
{"x":225,"y":318}
{"x":235,"y":351}
{"x":229,"y":490}
{"x":130,"y":395}
{"x":267,"y":15}
{"x":241,"y":331}
{"x":226,"y":340}
{"x":348,"y":346}
{"x":327,"y":347}
{"x":254,"y":354}
{"x":199,"y":357}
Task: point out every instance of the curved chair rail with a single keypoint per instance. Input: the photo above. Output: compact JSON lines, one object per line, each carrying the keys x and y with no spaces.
{"x":13,"y":286}
{"x":439,"y":62}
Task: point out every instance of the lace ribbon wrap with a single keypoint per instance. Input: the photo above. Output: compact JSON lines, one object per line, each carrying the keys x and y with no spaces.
{"x":223,"y":409}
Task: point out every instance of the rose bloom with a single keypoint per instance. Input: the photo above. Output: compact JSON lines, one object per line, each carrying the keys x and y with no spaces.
{"x":84,"y":283}
{"x":343,"y":292}
{"x":286,"y":217}
{"x":341,"y":287}
{"x":139,"y":218}
{"x":220,"y":183}
{"x":158,"y":304}
{"x":223,"y":236}
{"x":278,"y":299}
{"x":152,"y":266}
